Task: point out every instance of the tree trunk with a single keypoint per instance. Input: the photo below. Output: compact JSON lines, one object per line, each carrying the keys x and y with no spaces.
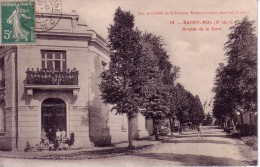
{"x":180,"y":128}
{"x":233,"y":124}
{"x":130,"y":132}
{"x":241,"y":118}
{"x":170,"y":119}
{"x":171,"y":126}
{"x":222,"y":123}
{"x":242,"y":123}
{"x":251,"y":124}
{"x":155,"y":129}
{"x":225,"y":123}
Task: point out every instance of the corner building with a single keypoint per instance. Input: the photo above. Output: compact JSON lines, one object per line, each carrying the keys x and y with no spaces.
{"x":54,"y":85}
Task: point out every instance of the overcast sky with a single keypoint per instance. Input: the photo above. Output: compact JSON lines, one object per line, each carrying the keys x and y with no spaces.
{"x":197,"y":53}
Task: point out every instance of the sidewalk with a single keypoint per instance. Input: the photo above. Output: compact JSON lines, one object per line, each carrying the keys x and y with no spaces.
{"x":83,"y":153}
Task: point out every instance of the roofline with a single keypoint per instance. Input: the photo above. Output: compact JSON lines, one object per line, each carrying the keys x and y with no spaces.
{"x":54,"y":15}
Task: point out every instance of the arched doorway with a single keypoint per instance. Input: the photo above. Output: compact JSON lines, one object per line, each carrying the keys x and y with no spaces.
{"x":53,"y":116}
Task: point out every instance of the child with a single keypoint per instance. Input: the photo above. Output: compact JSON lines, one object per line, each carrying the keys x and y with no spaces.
{"x":63,"y":135}
{"x":58,"y":134}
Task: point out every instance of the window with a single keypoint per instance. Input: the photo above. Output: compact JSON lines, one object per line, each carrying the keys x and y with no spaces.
{"x":2,"y":120}
{"x":2,"y":67}
{"x":54,"y":60}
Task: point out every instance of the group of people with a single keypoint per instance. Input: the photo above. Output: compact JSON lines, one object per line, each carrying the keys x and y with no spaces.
{"x":54,"y":77}
{"x":52,"y":136}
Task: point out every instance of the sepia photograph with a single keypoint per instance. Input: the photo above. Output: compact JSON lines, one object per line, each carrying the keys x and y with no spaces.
{"x":129,"y":83}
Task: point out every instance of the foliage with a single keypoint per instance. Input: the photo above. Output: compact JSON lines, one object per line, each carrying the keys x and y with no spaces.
{"x":223,"y":105}
{"x":208,"y":120}
{"x":185,"y":106}
{"x":159,"y":76}
{"x":196,"y":113}
{"x":236,"y":81}
{"x":241,"y":49}
{"x":180,"y":102}
{"x":140,"y":76}
{"x":121,"y":83}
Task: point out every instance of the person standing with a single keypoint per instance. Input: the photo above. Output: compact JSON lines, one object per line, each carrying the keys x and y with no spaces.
{"x":63,"y":135}
{"x":51,"y":135}
{"x":58,"y":134}
{"x":43,"y":136}
{"x":199,"y":129}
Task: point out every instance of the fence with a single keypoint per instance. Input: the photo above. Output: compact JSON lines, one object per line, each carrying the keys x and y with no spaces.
{"x":249,"y":126}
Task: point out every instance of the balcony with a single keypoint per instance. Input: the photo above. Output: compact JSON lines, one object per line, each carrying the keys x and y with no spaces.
{"x":51,"y":79}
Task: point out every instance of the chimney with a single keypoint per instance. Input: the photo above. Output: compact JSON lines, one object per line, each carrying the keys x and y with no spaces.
{"x":75,"y":18}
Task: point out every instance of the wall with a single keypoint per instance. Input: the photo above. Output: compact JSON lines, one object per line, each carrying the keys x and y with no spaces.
{"x":98,"y":111}
{"x":8,"y":139}
{"x":118,"y":125}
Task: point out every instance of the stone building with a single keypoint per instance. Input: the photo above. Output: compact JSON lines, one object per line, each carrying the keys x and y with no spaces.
{"x":54,"y":85}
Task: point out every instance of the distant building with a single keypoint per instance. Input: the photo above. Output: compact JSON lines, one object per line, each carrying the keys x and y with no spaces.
{"x":54,"y":85}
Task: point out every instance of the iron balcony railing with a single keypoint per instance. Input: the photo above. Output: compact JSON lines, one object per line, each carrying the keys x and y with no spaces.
{"x":52,"y":77}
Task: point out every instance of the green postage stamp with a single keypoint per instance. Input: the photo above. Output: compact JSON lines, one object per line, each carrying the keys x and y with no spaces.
{"x":17,"y":22}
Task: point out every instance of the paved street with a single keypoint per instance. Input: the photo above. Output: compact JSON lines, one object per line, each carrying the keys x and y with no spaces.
{"x":184,"y":150}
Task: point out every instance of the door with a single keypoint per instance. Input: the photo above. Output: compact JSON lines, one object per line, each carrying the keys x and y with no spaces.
{"x":53,"y":116}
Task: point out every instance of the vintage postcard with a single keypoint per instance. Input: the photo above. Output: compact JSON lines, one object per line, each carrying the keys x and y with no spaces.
{"x":128,"y":83}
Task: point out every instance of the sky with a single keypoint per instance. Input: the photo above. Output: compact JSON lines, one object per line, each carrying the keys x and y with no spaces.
{"x":197,"y":52}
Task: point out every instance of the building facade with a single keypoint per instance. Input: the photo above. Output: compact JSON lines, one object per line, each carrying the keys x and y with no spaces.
{"x":54,"y":85}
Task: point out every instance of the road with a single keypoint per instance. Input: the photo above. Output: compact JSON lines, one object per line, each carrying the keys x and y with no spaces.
{"x":215,"y":149}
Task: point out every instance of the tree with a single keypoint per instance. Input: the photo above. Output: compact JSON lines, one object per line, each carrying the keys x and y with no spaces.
{"x":155,"y":103}
{"x":184,"y":106}
{"x":241,"y":50}
{"x":180,"y":103}
{"x":209,"y":119}
{"x":161,"y":74}
{"x":196,"y":114}
{"x":236,"y":81}
{"x":121,"y":83}
{"x":223,"y":104}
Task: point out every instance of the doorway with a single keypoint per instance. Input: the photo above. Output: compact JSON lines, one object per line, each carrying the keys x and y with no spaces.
{"x":53,"y":117}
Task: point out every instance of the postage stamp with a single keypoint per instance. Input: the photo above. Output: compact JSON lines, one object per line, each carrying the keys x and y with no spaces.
{"x":18,"y":22}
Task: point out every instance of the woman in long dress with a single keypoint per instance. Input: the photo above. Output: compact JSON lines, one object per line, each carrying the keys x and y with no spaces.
{"x":15,"y":20}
